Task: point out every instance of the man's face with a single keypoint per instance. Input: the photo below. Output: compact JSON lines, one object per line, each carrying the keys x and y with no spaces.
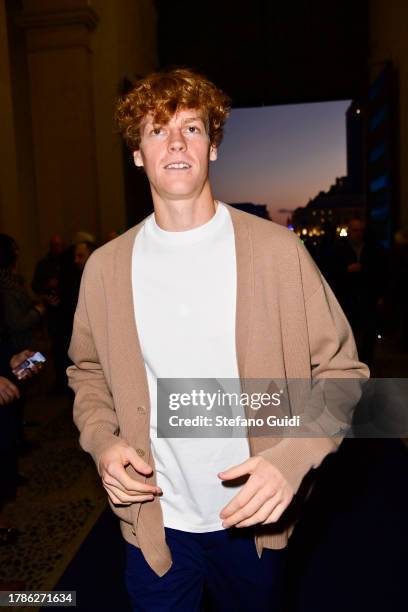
{"x":81,"y":254}
{"x":175,"y":156}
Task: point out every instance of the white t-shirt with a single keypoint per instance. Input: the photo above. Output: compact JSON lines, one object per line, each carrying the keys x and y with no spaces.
{"x":184,"y":290}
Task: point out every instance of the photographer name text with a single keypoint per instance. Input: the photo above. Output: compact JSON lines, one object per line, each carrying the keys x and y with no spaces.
{"x":237,"y":421}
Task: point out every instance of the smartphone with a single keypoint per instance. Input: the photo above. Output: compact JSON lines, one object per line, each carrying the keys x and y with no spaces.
{"x":29,"y":363}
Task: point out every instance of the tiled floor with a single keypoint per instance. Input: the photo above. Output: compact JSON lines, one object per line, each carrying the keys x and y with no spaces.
{"x":60,"y":503}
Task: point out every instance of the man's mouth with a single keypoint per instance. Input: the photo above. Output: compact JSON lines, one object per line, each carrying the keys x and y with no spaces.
{"x":177,"y":166}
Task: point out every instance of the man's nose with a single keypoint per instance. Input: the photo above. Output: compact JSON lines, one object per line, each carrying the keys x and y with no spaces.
{"x":177,"y":141}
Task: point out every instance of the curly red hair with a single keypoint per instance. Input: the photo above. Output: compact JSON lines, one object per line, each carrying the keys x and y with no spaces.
{"x":164,"y":93}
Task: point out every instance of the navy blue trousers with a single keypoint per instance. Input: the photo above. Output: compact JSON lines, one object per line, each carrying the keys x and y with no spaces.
{"x":218,"y":571}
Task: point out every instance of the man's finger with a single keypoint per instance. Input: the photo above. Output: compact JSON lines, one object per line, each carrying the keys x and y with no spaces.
{"x":4,"y":399}
{"x":128,"y":498}
{"x":139,"y":465}
{"x":251,"y":487}
{"x":9,"y":390}
{"x":136,"y":485}
{"x":114,"y":498}
{"x":24,"y":374}
{"x":18,"y":359}
{"x":246,"y":510}
{"x":246,"y":467}
{"x":6,"y":393}
{"x":108,"y":479}
{"x":118,"y":472}
{"x":117,"y":502}
{"x":276,"y":513}
{"x":263,"y":513}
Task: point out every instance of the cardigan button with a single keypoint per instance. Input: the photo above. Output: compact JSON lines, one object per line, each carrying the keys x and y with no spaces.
{"x":140,"y":452}
{"x":141,"y":409}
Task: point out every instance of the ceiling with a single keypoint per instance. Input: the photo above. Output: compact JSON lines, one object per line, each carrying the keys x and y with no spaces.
{"x":265,"y":52}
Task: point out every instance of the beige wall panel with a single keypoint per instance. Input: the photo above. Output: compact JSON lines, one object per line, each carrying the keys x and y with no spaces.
{"x":63,"y":140}
{"x":60,"y":75}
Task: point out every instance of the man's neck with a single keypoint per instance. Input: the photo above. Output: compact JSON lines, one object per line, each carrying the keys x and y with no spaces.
{"x":184,"y":214}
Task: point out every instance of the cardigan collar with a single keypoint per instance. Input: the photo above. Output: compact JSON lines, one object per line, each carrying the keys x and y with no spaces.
{"x":127,"y":334}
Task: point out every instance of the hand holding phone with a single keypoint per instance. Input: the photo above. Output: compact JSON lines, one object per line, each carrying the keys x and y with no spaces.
{"x":27,"y":363}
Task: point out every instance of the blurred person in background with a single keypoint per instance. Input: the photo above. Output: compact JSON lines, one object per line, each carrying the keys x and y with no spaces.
{"x":73,"y":263}
{"x":357,"y":274}
{"x":81,"y":253}
{"x":46,"y":284}
{"x":21,"y":317}
{"x":10,"y":396}
{"x":48,"y":269}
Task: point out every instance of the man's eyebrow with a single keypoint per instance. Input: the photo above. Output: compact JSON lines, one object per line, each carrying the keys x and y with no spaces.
{"x":150,"y":122}
{"x":190,"y":119}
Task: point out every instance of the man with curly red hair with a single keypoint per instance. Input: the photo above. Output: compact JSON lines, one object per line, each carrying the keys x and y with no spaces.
{"x":198,"y":290}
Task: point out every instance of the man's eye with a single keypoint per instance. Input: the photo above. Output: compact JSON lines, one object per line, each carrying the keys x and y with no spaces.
{"x":156,"y":131}
{"x":193,"y":129}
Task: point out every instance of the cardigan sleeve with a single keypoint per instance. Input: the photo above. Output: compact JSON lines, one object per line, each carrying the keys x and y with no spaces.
{"x":94,"y":411}
{"x":335,"y":387}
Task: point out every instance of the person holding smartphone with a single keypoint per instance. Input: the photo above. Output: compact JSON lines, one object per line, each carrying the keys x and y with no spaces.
{"x":11,"y":377}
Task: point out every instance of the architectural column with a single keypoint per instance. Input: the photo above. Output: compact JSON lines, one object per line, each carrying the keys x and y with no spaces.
{"x":9,"y":191}
{"x":58,"y":37}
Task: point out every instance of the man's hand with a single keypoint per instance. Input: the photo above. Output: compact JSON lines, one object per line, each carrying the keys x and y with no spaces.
{"x":17,"y":360}
{"x":8,"y":391}
{"x":263,"y":498}
{"x":121,"y":488}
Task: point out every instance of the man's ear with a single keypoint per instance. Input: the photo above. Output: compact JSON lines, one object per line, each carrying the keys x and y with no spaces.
{"x":137,"y":157}
{"x":213,"y":153}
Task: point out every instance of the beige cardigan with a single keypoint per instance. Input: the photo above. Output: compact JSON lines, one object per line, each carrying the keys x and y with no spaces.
{"x":288,"y":325}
